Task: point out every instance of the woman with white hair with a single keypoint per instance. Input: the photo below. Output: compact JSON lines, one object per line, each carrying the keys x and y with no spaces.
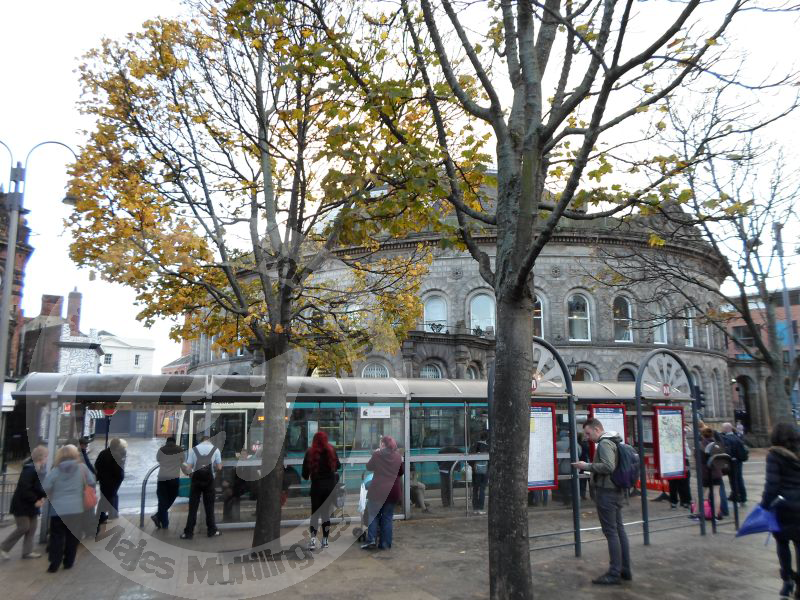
{"x":25,"y":503}
{"x":65,"y":485}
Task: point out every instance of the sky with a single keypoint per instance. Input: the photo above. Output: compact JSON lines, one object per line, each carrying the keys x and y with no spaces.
{"x":41,"y":43}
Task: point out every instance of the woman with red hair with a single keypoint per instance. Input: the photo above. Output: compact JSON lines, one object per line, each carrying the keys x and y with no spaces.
{"x":320,"y":465}
{"x":383,"y":494}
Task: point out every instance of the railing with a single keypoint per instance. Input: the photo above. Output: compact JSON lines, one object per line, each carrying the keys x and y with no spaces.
{"x":445,"y":328}
{"x":6,"y":493}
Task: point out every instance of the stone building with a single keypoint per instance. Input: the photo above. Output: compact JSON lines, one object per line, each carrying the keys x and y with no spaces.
{"x":602,"y":331}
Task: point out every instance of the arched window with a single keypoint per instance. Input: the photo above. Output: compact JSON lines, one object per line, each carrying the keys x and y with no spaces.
{"x":626,"y":375}
{"x":430,"y":371}
{"x":583,"y":374}
{"x":375,"y":370}
{"x":719,"y":398}
{"x":661,"y":326}
{"x":435,"y":314}
{"x":688,"y":326}
{"x":473,"y":373}
{"x":538,"y":317}
{"x":623,"y":329}
{"x":580,"y":325}
{"x":481,"y":313}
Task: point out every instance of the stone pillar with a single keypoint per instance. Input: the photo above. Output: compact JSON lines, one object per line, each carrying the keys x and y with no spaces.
{"x":462,"y":357}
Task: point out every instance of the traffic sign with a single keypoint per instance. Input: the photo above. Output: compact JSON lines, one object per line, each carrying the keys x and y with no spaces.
{"x":109,"y":412}
{"x":67,"y":408}
{"x":665,"y":389}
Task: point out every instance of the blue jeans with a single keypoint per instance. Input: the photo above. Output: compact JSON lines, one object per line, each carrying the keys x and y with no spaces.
{"x":380,"y":523}
{"x":166,"y":491}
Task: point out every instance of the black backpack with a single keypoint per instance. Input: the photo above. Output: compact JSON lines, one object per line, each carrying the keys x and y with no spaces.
{"x":626,"y":474}
{"x":736,"y":447}
{"x":202,"y":467}
{"x":718,"y":461}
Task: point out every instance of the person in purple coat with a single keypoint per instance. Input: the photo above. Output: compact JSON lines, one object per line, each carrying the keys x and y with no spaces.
{"x":383,"y":493}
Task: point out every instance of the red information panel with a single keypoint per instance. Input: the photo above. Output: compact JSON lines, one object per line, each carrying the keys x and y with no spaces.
{"x":668,"y":443}
{"x":612,"y":416}
{"x":542,"y":458}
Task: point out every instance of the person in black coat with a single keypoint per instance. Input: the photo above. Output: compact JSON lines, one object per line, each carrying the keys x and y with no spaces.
{"x":110,"y":469}
{"x":321,"y":464}
{"x":783,"y":479}
{"x":84,"y":448}
{"x":25,"y":503}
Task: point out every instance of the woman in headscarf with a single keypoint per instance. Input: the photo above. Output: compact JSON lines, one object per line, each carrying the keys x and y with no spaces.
{"x":65,"y":485}
{"x":321,"y":464}
{"x":783,"y":485}
{"x":383,"y":494}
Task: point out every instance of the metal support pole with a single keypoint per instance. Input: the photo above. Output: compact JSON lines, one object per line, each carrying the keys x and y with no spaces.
{"x":108,"y":427}
{"x":574,"y":481}
{"x":698,"y":457}
{"x":642,"y":469}
{"x":406,"y":462}
{"x":52,"y":437}
{"x":787,"y":314}
{"x":14,"y":206}
{"x":467,"y":481}
{"x":735,"y":492}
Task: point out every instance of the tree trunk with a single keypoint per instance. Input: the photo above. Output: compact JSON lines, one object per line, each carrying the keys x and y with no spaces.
{"x":268,"y":506}
{"x":779,"y":403}
{"x":509,"y":558}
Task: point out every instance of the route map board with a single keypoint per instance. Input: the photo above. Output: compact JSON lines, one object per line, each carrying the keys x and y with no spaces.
{"x":669,"y":447}
{"x":542,"y":466}
{"x":612,"y":416}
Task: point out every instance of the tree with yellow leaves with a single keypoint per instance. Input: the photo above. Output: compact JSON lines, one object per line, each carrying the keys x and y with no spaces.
{"x":237,"y":178}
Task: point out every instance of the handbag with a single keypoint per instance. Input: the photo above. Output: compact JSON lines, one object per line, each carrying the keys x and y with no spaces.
{"x":706,"y":509}
{"x":759,"y":520}
{"x":89,"y":495}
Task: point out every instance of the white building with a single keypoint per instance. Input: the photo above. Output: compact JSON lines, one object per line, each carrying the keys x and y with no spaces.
{"x":126,"y":355}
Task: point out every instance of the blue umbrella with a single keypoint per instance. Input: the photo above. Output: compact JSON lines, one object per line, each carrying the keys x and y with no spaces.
{"x":760,"y":520}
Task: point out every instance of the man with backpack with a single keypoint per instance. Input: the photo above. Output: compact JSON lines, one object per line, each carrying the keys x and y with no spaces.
{"x":203,"y":460}
{"x":609,"y":497}
{"x":739,"y":454}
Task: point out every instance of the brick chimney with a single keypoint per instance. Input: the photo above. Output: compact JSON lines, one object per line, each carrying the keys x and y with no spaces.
{"x":74,"y":311}
{"x":51,"y":305}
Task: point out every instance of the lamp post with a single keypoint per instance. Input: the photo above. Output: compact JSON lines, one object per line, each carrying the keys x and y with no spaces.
{"x":14,"y":206}
{"x":572,"y":367}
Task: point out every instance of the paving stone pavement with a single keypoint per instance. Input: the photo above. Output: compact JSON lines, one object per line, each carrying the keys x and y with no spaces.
{"x":444,"y":556}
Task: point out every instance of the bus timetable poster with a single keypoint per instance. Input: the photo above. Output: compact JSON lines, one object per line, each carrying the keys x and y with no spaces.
{"x":612,"y":416}
{"x":669,"y":448}
{"x":542,"y":465}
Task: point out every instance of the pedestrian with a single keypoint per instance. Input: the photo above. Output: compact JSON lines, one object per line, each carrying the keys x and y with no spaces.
{"x":564,"y":467}
{"x":233,"y":488}
{"x":712,"y":470}
{"x":609,"y":499}
{"x":739,"y":454}
{"x":64,"y":485}
{"x":84,"y":448}
{"x":680,"y":490}
{"x":26,"y":503}
{"x":583,"y":445}
{"x":740,"y":429}
{"x":480,"y":473}
{"x":782,"y":490}
{"x":446,"y":472}
{"x":383,"y":493}
{"x":723,"y":497}
{"x":170,"y":458}
{"x":321,"y":465}
{"x":110,"y":471}
{"x":417,"y":489}
{"x":202,"y":462}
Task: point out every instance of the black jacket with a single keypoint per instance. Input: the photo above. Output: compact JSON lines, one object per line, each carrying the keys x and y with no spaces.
{"x":326,"y":477}
{"x":87,"y":462}
{"x":783,"y":479}
{"x":29,"y":490}
{"x":109,"y":473}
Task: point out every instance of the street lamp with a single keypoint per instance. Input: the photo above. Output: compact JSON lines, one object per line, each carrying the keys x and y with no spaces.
{"x":787,"y":312}
{"x":14,"y":206}
{"x":572,"y":367}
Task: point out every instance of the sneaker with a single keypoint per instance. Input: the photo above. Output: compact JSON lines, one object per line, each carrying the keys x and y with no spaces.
{"x":369,"y":546}
{"x":187,"y":536}
{"x":32,"y":555}
{"x":4,"y":555}
{"x":324,"y":542}
{"x":607,"y":579}
{"x":156,"y":521}
{"x":626,"y":576}
{"x":52,"y":568}
{"x":312,"y":545}
{"x":215,"y":533}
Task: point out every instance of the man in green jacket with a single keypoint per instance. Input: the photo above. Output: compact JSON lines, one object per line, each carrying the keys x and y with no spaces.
{"x":609,"y":499}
